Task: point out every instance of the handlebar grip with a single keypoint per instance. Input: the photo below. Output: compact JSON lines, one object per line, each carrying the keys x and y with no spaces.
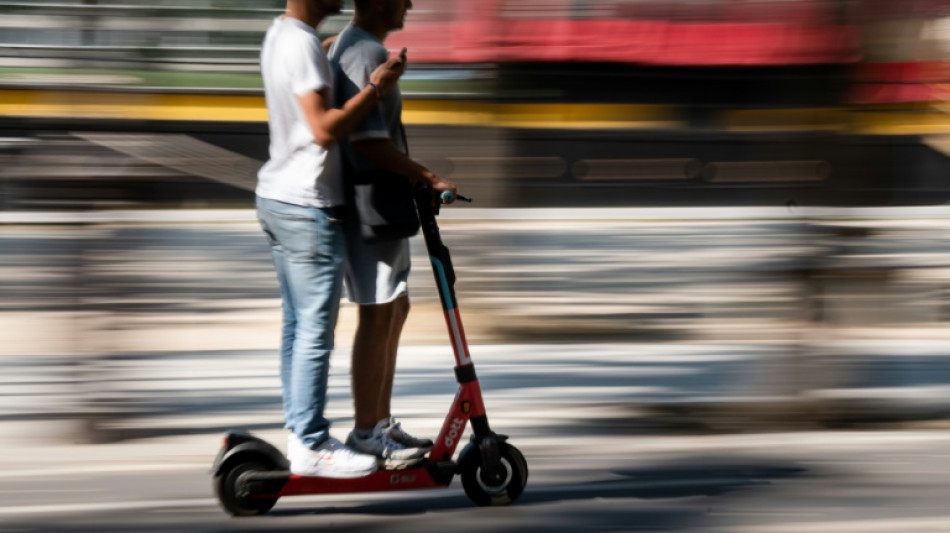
{"x":447,"y":197}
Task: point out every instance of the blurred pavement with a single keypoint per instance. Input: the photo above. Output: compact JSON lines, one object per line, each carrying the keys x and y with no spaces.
{"x":735,"y":370}
{"x":114,"y":321}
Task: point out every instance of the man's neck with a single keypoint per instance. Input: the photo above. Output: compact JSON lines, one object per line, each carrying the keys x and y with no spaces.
{"x":312,"y":16}
{"x":370,"y":26}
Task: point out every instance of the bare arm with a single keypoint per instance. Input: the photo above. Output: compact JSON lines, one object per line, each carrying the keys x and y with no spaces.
{"x":384,"y":154}
{"x":330,"y":124}
{"x":328,"y":43}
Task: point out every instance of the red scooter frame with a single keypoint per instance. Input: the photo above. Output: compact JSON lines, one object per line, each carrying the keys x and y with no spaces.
{"x":250,"y":475}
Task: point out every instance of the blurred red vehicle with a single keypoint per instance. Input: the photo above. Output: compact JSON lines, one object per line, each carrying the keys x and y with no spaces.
{"x":648,"y":32}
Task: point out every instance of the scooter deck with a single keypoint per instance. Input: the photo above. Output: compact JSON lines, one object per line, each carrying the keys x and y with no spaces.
{"x":277,"y":484}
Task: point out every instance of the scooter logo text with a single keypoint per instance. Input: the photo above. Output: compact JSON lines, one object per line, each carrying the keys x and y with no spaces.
{"x":397,"y":479}
{"x":454,"y":430}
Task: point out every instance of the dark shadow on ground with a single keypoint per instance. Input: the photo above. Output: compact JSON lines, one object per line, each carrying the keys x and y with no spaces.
{"x":666,"y":497}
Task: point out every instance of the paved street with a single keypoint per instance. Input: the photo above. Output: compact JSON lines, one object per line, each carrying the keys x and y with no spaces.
{"x":599,"y":460}
{"x":660,"y":374}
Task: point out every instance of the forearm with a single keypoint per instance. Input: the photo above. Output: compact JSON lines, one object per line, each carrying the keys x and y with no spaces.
{"x":333,"y":124}
{"x":383,"y":154}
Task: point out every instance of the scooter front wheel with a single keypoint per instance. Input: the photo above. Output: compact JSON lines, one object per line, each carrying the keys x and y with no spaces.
{"x":484,"y":491}
{"x":233,"y":494}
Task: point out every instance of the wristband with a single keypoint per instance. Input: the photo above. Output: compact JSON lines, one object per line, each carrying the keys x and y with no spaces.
{"x":375,"y":88}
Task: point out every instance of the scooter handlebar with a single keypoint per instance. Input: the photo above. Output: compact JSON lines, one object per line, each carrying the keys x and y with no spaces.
{"x":448,"y":197}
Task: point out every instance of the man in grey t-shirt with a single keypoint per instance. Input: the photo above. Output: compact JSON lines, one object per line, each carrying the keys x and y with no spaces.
{"x":352,"y":58}
{"x":377,"y":273}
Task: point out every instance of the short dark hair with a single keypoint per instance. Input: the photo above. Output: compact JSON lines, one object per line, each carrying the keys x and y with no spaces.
{"x":361,"y":5}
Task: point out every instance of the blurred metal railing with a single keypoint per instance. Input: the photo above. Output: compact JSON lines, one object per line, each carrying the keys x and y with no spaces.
{"x":206,"y":36}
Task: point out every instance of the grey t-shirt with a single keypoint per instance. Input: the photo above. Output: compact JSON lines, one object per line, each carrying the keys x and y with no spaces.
{"x":353,"y":57}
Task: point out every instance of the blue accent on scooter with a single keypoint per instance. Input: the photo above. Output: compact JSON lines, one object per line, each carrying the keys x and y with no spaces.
{"x":443,"y":283}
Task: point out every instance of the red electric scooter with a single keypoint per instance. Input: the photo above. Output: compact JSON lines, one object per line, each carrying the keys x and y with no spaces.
{"x":250,"y":475}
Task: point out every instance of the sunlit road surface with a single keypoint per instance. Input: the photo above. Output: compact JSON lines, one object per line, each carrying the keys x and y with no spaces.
{"x":161,"y":334}
{"x":598,"y":461}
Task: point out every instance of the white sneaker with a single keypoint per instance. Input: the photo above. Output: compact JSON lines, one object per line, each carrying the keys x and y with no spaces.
{"x":397,"y":434}
{"x":391,"y":454}
{"x":331,"y":459}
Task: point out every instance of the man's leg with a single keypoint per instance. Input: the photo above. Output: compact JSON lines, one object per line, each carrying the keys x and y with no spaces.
{"x":370,"y":366}
{"x":373,"y":368}
{"x":383,"y":417}
{"x":310,"y":244}
{"x":266,"y":218}
{"x":317,"y":296}
{"x":287,"y":335}
{"x":377,"y":272}
{"x":399,"y":316}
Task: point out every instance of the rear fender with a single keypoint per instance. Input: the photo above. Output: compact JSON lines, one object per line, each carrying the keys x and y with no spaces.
{"x":240,"y":446}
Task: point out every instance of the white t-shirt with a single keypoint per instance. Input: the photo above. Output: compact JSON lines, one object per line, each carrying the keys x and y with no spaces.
{"x":299,"y":171}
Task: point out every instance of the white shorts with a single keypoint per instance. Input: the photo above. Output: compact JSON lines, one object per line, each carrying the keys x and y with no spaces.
{"x":376,"y":272}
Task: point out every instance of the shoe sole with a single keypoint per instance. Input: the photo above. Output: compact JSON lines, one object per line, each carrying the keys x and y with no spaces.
{"x":399,"y":464}
{"x":425,"y":447}
{"x":392,"y":463}
{"x":332,"y":475}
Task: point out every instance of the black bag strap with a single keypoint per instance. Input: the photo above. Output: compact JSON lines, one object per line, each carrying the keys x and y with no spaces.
{"x":405,"y":138}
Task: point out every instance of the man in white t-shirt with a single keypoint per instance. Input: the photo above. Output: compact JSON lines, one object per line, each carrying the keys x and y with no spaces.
{"x":299,"y":194}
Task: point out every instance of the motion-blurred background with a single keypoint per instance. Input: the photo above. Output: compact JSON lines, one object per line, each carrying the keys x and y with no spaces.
{"x":541,"y":103}
{"x":767,"y":175}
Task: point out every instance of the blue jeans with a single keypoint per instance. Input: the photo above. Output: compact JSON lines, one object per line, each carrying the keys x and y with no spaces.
{"x":308,"y":249}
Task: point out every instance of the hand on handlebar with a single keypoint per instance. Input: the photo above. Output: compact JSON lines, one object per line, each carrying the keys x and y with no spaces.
{"x":447,"y":198}
{"x":439,"y":186}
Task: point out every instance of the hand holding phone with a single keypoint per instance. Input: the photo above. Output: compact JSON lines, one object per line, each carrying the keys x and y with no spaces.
{"x":387,"y":75}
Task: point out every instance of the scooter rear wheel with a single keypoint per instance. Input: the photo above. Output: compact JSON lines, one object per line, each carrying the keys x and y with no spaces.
{"x":233,"y":495}
{"x":484,"y":491}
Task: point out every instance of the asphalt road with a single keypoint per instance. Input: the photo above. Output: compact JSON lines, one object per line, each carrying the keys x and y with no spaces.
{"x":600,"y":458}
{"x":161,"y":334}
{"x":782,"y":482}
